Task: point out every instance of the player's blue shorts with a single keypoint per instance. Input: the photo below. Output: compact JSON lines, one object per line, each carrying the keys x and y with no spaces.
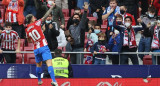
{"x":42,"y":54}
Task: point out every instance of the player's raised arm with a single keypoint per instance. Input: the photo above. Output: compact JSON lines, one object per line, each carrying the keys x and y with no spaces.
{"x":48,"y":12}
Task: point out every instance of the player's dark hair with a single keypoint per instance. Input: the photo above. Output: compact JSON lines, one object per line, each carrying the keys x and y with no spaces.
{"x":28,"y":18}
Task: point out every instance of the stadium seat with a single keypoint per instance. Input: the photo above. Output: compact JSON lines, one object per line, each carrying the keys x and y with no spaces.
{"x":92,"y":18}
{"x":19,"y":58}
{"x":82,"y":10}
{"x":65,"y":12}
{"x":66,"y":19}
{"x":30,"y":58}
{"x":103,"y":28}
{"x":30,"y":45}
{"x":25,"y":54}
{"x":147,"y":60}
{"x":104,"y":22}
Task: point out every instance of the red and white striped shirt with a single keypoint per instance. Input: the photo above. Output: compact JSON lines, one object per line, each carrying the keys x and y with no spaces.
{"x":8,"y":40}
{"x":34,"y":32}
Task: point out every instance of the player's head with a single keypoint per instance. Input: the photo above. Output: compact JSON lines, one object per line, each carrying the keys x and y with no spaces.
{"x":113,"y":3}
{"x":30,"y":18}
{"x":49,"y":18}
{"x":8,"y":27}
{"x":58,"y":52}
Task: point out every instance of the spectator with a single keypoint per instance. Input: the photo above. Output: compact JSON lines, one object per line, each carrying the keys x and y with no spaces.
{"x":14,"y":14}
{"x":92,"y":38}
{"x":109,"y":15}
{"x":155,"y":41}
{"x":113,"y":45}
{"x":62,"y":42}
{"x":8,"y":37}
{"x":30,"y":7}
{"x":71,"y":5}
{"x":80,"y":3}
{"x":132,"y":6}
{"x":78,"y":34}
{"x":127,"y":39}
{"x":114,"y":41}
{"x":145,"y":41}
{"x":62,"y":3}
{"x":156,"y":3}
{"x":50,"y":32}
{"x":57,"y":15}
{"x":96,"y":8}
{"x":62,"y":67}
{"x":123,"y":11}
{"x":77,"y":11}
{"x":100,"y":46}
{"x":41,"y":9}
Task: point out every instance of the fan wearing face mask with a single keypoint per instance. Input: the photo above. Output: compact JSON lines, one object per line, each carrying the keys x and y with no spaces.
{"x":77,"y":31}
{"x":145,"y":41}
{"x":100,"y":46}
{"x":127,"y":39}
{"x":123,"y":11}
{"x":50,"y":31}
{"x":8,"y":37}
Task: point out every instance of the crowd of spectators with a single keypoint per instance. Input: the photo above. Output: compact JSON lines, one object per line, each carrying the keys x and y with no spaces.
{"x":122,"y":19}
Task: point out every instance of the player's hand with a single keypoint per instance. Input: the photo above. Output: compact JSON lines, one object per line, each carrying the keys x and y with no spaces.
{"x":50,"y":26}
{"x":17,"y":51}
{"x":85,"y":49}
{"x":1,"y":51}
{"x":69,"y":38}
{"x":103,"y":8}
{"x":116,"y":14}
{"x":86,"y":5}
{"x":111,"y":33}
{"x":53,"y":4}
{"x":95,"y":52}
{"x":43,"y":28}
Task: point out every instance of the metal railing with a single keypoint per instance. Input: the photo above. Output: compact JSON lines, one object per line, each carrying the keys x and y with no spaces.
{"x":145,"y":53}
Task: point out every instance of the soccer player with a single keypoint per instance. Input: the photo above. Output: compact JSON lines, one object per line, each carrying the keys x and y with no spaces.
{"x":42,"y":52}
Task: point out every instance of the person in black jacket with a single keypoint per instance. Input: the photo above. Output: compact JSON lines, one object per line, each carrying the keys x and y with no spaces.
{"x":77,"y":11}
{"x":132,"y":6}
{"x":50,"y":32}
{"x":96,"y":8}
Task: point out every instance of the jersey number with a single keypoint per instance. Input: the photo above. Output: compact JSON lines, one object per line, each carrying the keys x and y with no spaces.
{"x":35,"y":35}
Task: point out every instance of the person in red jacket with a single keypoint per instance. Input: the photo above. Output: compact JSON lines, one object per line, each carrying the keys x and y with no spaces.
{"x":156,"y":4}
{"x":14,"y":15}
{"x":123,"y":11}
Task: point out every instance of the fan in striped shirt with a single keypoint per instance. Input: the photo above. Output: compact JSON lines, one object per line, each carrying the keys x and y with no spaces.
{"x":8,"y":37}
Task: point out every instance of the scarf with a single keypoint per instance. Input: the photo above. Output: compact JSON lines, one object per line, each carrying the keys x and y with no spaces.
{"x":132,"y":42}
{"x":12,"y":9}
{"x":155,"y":40}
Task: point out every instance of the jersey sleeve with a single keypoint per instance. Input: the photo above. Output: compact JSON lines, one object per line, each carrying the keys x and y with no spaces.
{"x":17,"y":36}
{"x":39,"y":22}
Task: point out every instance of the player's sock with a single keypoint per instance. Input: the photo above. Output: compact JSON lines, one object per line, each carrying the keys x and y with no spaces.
{"x":51,"y":72}
{"x":38,"y":72}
